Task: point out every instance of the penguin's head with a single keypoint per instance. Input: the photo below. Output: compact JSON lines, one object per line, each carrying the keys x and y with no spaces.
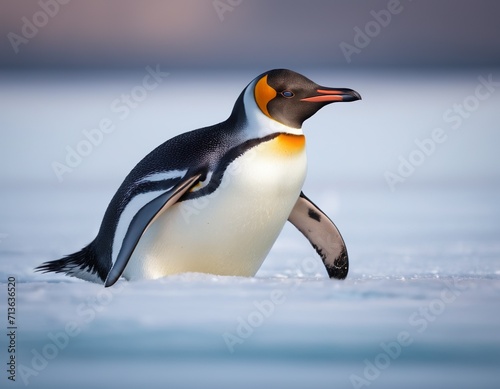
{"x":290,"y":98}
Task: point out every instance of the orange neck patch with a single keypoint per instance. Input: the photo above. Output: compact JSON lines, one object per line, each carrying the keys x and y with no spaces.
{"x":290,"y":143}
{"x":263,"y":94}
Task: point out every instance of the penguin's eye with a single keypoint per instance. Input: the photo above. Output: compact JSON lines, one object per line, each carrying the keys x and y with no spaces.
{"x":287,"y":94}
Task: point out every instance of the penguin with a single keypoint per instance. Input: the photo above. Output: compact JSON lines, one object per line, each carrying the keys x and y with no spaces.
{"x":214,"y":200}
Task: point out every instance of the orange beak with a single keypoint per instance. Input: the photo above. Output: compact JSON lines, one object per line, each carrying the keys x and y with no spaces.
{"x":330,"y":95}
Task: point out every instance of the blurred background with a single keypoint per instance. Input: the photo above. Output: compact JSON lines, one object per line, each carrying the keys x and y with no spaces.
{"x":250,"y":34}
{"x":63,"y":64}
{"x":410,"y":175}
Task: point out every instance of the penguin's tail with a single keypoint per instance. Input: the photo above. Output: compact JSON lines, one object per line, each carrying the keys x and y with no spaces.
{"x":83,"y":264}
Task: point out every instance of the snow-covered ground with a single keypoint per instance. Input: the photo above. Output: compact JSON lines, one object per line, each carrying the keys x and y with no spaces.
{"x":420,"y":307}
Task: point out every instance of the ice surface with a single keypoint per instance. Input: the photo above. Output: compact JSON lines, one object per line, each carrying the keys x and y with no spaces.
{"x":419,"y":309}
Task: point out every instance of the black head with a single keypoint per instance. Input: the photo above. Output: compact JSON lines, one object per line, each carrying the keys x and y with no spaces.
{"x":290,"y":98}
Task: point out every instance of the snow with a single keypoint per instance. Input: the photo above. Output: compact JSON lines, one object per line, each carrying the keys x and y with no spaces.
{"x":420,"y":307}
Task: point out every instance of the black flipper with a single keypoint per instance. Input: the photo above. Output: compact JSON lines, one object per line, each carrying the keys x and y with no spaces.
{"x":323,"y":235}
{"x":141,"y":221}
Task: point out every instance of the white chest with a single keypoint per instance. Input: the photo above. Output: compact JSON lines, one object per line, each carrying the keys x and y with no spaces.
{"x":230,"y":231}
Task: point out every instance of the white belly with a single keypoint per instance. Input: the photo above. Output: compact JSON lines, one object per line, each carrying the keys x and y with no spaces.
{"x":230,"y":231}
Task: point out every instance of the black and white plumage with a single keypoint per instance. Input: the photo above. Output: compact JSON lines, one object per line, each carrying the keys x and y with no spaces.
{"x":215,"y":199}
